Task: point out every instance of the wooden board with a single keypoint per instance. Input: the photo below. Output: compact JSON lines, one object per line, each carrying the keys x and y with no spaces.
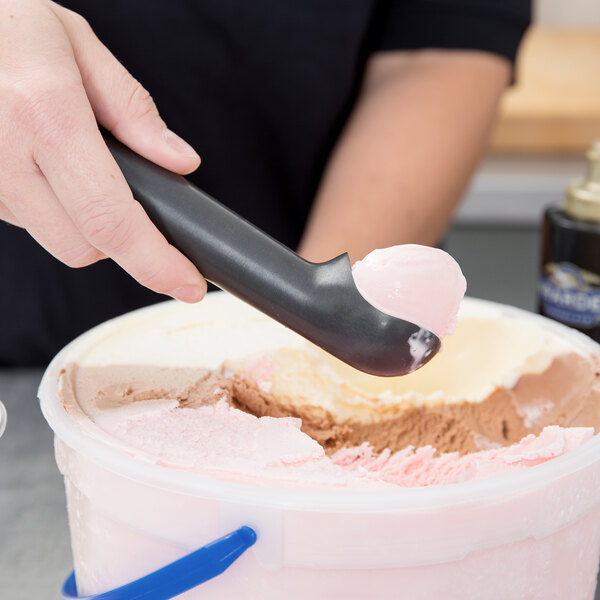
{"x":555,"y":105}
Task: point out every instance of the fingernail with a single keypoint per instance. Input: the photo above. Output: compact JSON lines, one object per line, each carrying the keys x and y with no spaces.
{"x":179,"y":145}
{"x":188,"y":293}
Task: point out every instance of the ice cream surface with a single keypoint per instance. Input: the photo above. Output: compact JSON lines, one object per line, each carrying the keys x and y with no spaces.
{"x":222,"y":390}
{"x":415,"y":283}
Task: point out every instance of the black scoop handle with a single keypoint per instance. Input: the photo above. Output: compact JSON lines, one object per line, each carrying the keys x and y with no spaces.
{"x":317,"y":300}
{"x":228,"y":250}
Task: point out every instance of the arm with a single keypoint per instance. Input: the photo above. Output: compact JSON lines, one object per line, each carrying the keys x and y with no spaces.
{"x":405,"y":157}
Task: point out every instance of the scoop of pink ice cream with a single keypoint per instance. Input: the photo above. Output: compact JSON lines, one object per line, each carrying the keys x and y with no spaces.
{"x":419,"y":284}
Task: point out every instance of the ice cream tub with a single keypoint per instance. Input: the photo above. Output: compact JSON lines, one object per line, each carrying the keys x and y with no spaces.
{"x":528,"y":534}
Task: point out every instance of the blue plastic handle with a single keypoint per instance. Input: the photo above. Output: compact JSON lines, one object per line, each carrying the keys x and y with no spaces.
{"x":179,"y":576}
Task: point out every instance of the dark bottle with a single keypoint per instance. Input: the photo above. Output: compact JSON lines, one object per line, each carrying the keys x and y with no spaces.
{"x":569,"y":286}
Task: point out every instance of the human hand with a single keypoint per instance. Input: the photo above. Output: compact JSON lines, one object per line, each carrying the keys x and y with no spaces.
{"x":57,"y":178}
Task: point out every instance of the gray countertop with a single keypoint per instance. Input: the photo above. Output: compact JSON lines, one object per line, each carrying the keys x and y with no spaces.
{"x":34,"y":539}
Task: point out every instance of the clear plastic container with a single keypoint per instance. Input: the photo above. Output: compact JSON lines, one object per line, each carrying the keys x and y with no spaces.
{"x":3,"y":418}
{"x":533,"y":534}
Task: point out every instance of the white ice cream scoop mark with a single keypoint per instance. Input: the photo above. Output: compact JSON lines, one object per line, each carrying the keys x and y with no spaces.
{"x":532,"y":414}
{"x":420,"y":347}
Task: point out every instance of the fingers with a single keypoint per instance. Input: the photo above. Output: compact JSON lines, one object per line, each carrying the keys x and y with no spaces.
{"x":84,"y":176}
{"x":33,"y":205}
{"x":121,"y":104}
{"x":7,"y":215}
{"x":57,"y":178}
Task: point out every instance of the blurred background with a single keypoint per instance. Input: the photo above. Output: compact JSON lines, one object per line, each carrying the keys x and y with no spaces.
{"x":547,"y":122}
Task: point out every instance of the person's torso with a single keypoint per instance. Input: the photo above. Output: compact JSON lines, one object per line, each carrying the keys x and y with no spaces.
{"x":261,"y":89}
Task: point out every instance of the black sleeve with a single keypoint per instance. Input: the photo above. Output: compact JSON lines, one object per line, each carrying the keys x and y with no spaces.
{"x":495,"y":26}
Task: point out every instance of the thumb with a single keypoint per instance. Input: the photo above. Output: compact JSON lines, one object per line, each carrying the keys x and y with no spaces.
{"x":121,"y":104}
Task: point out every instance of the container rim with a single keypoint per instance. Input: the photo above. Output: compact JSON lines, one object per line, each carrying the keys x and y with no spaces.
{"x":334,"y":499}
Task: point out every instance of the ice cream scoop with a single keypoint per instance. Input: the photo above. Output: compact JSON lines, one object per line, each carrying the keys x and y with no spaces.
{"x":320,"y":301}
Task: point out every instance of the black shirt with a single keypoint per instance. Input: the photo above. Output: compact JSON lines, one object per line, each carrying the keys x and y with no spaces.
{"x":261,"y":89}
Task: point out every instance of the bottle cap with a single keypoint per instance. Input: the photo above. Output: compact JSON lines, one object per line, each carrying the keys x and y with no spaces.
{"x":583,"y":197}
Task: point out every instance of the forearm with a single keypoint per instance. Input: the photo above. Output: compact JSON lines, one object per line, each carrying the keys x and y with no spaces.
{"x":407,"y":152}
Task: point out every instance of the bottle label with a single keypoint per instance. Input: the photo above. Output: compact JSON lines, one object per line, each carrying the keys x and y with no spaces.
{"x":570,"y":295}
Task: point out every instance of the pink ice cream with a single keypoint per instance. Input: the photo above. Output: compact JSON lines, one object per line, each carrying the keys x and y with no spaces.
{"x":221,"y":440}
{"x":421,"y":467}
{"x":233,"y":444}
{"x":419,"y":284}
